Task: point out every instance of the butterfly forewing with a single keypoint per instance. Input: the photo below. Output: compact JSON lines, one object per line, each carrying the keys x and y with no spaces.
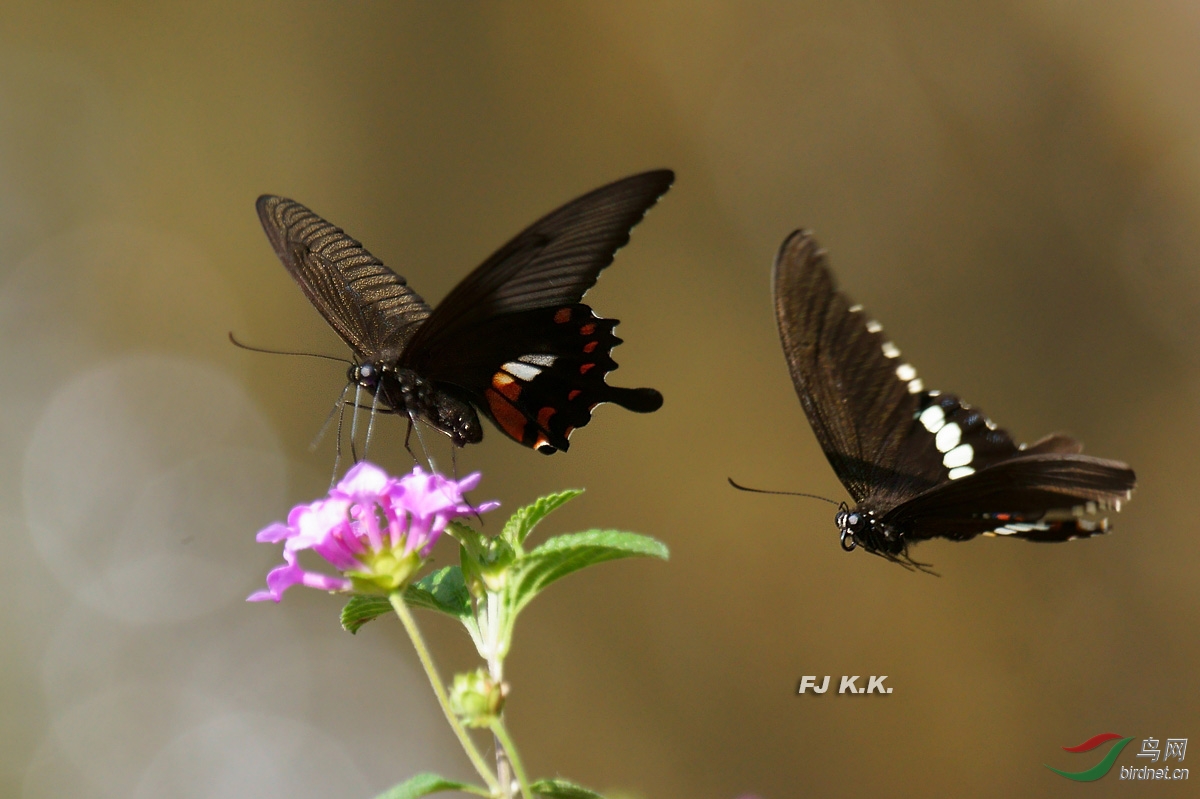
{"x":551,"y":263}
{"x":369,"y":305}
{"x":861,"y":413}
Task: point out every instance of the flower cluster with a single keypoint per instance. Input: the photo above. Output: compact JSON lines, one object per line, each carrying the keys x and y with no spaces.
{"x":376,"y":530}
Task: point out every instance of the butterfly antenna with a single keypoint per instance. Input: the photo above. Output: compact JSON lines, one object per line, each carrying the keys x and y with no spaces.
{"x":784,"y":493}
{"x":266,"y":351}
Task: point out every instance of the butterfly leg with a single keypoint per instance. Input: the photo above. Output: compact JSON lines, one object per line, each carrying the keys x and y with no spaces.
{"x":354,"y":422}
{"x":337,"y":457}
{"x":408,"y":440}
{"x":371,"y":419}
{"x":338,"y":404}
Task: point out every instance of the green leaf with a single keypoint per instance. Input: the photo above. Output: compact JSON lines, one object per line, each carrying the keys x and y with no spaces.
{"x":361,"y":609}
{"x":521,"y":524}
{"x":564,"y":554}
{"x":443,"y":591}
{"x":562,"y":789}
{"x":425,"y":783}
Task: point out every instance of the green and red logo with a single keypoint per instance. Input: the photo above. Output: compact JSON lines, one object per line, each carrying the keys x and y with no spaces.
{"x":1100,"y":769}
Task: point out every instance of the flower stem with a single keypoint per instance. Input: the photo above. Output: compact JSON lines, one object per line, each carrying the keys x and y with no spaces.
{"x":410,"y":626}
{"x":492,"y":613}
{"x":498,"y":729}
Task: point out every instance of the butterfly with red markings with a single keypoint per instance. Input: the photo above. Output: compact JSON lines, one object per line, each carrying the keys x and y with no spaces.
{"x":512,"y":339}
{"x":921,"y":464}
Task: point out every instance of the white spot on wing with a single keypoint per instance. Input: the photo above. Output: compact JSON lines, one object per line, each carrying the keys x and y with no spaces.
{"x":933,"y":418}
{"x":905,"y":371}
{"x":539,"y":359}
{"x":521,"y":371}
{"x":890,"y":350}
{"x":915,"y":386}
{"x":874,"y":327}
{"x":1021,"y":527}
{"x":959,"y":456}
{"x":855,"y":308}
{"x":961,"y":471}
{"x":948,"y":437}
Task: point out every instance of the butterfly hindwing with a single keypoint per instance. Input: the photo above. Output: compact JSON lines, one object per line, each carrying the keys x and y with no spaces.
{"x":1044,"y":496}
{"x":538,"y":374}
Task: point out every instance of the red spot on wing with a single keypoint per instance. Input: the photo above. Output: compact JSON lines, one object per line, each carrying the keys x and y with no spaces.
{"x":591,"y":345}
{"x":562,"y":316}
{"x":511,"y":420}
{"x":506,"y":385}
{"x":588,"y":329}
{"x":544,"y":417}
{"x":575,"y":392}
{"x":583,"y":370}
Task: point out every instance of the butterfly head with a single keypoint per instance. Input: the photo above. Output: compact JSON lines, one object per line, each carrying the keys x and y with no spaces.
{"x":861,"y":528}
{"x":366,"y":375}
{"x":851,"y":523}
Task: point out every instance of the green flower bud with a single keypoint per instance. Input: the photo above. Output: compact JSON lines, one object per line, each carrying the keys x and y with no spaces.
{"x":476,"y":698}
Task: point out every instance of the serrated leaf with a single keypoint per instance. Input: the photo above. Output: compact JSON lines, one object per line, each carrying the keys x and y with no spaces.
{"x":564,"y":554}
{"x":521,"y":523}
{"x":426,"y":783}
{"x":443,"y":590}
{"x":362,"y":609}
{"x":562,"y":789}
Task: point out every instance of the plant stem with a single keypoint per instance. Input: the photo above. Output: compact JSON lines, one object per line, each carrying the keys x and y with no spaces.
{"x":410,"y":626}
{"x":506,"y":743}
{"x":493,"y":630}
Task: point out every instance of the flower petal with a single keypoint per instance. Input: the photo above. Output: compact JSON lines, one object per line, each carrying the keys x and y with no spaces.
{"x":363,"y":481}
{"x":274,"y":533}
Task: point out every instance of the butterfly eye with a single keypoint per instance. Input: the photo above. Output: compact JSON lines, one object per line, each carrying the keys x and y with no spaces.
{"x":364,"y":374}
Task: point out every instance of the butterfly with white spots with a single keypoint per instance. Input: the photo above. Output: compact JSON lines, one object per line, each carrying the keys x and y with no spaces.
{"x":921,"y":464}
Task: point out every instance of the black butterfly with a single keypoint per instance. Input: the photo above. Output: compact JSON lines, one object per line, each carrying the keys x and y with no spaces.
{"x":512,"y":339}
{"x":920,"y":464}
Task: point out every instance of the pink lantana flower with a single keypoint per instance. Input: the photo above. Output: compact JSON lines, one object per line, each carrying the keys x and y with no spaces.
{"x":374,"y":529}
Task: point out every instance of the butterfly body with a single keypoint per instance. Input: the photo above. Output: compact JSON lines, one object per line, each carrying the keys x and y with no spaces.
{"x":921,"y":464}
{"x":404,"y":391}
{"x":512,"y":340}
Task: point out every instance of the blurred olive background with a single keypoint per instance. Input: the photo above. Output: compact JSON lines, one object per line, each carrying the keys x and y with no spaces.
{"x":1013,"y":189}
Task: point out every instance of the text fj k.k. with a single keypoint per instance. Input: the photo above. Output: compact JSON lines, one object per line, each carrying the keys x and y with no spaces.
{"x":848,"y":685}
